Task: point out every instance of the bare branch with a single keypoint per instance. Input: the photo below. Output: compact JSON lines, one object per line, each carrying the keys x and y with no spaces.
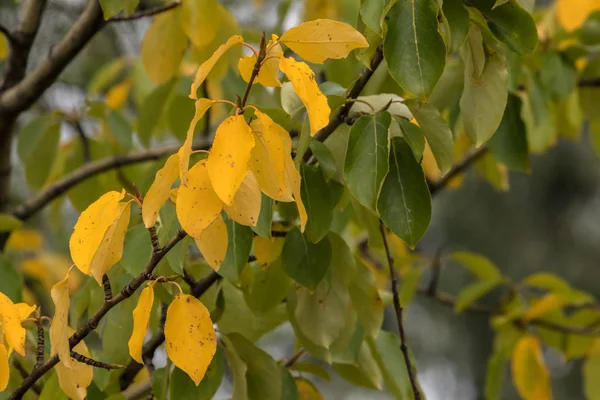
{"x":145,"y":13}
{"x":91,"y":362}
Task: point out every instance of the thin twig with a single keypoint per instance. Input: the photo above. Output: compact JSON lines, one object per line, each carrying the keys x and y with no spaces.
{"x":295,"y":358}
{"x":40,"y":338}
{"x":145,"y":13}
{"x":97,"y":364}
{"x":23,"y":372}
{"x":257,"y":64}
{"x":457,"y":169}
{"x":398,"y":310}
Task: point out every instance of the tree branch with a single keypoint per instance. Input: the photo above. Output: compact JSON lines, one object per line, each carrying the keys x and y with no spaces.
{"x":462,"y":166}
{"x":93,"y":322}
{"x":145,"y":13}
{"x":398,"y":309}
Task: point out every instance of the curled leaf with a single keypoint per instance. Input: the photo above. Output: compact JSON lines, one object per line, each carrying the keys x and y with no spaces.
{"x":59,"y":329}
{"x":190,"y":338}
{"x":529,"y":371}
{"x":74,"y":381}
{"x":293,"y":180}
{"x":160,"y":190}
{"x":141,"y":318}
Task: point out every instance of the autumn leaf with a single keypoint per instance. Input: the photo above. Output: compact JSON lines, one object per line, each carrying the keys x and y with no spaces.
{"x":227,"y":162}
{"x":59,"y":329}
{"x":141,"y":318}
{"x":25,"y":310}
{"x":197,"y":203}
{"x":266,"y":250}
{"x":117,"y":95}
{"x":213,"y":243}
{"x":207,"y":66}
{"x":74,"y":381}
{"x":307,"y":390}
{"x":268,"y":74}
{"x":190,"y":338}
{"x":246,"y":202}
{"x":572,"y":14}
{"x":160,"y":190}
{"x":305,"y":84}
{"x":14,"y":333}
{"x":202,"y":105}
{"x":529,"y":371}
{"x":293,"y":180}
{"x":4,"y":367}
{"x":110,"y":250}
{"x":318,"y":40}
{"x":90,"y":228}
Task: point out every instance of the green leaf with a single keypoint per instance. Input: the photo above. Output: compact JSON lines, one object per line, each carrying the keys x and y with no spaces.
{"x":367,"y":158}
{"x":405,"y":203}
{"x":120,"y":128}
{"x":325,"y":158}
{"x":289,"y":389}
{"x":474,"y":292}
{"x":9,"y":223}
{"x":316,"y":196}
{"x":265,"y":218}
{"x":511,"y":24}
{"x":558,"y":75}
{"x":52,"y":390}
{"x":591,"y":372}
{"x":479,"y":265}
{"x":263,"y":376}
{"x":413,"y":47}
{"x":312,"y":368}
{"x":485,"y":92}
{"x":366,"y":300}
{"x":305,"y":262}
{"x":371,"y":12}
{"x":183,"y":388}
{"x":37,"y":147}
{"x":337,"y":143}
{"x":365,"y":373}
{"x":386,"y":352}
{"x":137,"y":250}
{"x":494,"y":377}
{"x":151,"y":111}
{"x":457,"y":18}
{"x":238,"y":249}
{"x":238,"y":371}
{"x":180,"y":112}
{"x":11,"y":283}
{"x":436,"y":132}
{"x":110,"y":8}
{"x":413,"y":136}
{"x":509,"y":143}
{"x":410,"y":285}
{"x":269,"y":287}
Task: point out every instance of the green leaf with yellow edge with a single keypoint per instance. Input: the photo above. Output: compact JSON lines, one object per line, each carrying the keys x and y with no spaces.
{"x":141,"y":319}
{"x":59,"y":329}
{"x":208,"y":65}
{"x":190,"y":338}
{"x":197,"y":203}
{"x":92,"y":225}
{"x":227,"y":162}
{"x":305,"y":262}
{"x":367,"y":158}
{"x":404,"y":202}
{"x":163,"y":46}
{"x":305,"y":85}
{"x":213,"y":243}
{"x":530,"y":374}
{"x":413,"y":47}
{"x":321,"y":39}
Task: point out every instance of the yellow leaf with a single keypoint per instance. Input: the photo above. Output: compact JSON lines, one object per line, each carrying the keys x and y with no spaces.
{"x":74,"y":381}
{"x":160,"y":190}
{"x":548,"y":303}
{"x":305,"y":85}
{"x":3,"y":47}
{"x":190,"y":337}
{"x":141,"y":318}
{"x":4,"y":367}
{"x":205,"y":68}
{"x":529,"y":371}
{"x":163,"y":46}
{"x":246,"y":202}
{"x":25,"y":310}
{"x":213,"y":243}
{"x":200,"y":20}
{"x":318,"y":40}
{"x":197,"y":203}
{"x":14,"y":333}
{"x":227,"y":162}
{"x":202,"y":105}
{"x":267,"y":250}
{"x":90,"y":228}
{"x":173,"y":195}
{"x":59,"y":329}
{"x":25,"y":239}
{"x":293,"y":178}
{"x":572,"y":14}
{"x":267,"y":161}
{"x":110,"y":250}
{"x":306,"y":390}
{"x":117,"y":95}
{"x":268,"y":74}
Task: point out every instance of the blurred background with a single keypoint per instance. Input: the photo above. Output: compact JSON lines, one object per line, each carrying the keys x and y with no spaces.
{"x":548,"y":220}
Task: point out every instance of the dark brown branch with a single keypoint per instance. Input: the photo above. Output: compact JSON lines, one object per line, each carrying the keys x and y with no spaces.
{"x":434,"y":187}
{"x":87,"y":171}
{"x":107,"y":288}
{"x":295,"y":358}
{"x":256,"y":69}
{"x":589,"y":82}
{"x":341,"y":115}
{"x":398,"y":309}
{"x":97,"y":364}
{"x":159,"y":337}
{"x":93,"y":322}
{"x":7,"y":33}
{"x":145,"y":13}
{"x":40,"y":338}
{"x":23,"y":372}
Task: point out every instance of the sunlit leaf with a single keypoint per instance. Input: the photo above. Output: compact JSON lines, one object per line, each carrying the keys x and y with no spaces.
{"x":14,"y":333}
{"x":4,"y":367}
{"x":160,"y":190}
{"x":529,"y":371}
{"x":213,"y":243}
{"x":74,"y":381}
{"x":59,"y":330}
{"x":202,"y":105}
{"x":571,"y":15}
{"x":246,"y":202}
{"x":141,"y":318}
{"x":269,"y":70}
